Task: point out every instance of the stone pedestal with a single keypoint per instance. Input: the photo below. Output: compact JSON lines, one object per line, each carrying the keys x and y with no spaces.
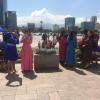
{"x":46,"y":61}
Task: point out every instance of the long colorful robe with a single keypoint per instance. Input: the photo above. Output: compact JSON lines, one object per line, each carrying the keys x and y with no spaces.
{"x":26,"y":54}
{"x":70,"y":51}
{"x":62,"y":48}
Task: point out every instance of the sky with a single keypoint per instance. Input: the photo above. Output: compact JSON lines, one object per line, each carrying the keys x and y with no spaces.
{"x":53,"y":11}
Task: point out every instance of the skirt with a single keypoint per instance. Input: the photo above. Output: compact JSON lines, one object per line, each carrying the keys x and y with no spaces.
{"x":10,"y":52}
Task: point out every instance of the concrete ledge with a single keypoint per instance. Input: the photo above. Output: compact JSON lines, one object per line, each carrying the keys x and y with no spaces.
{"x":46,"y":61}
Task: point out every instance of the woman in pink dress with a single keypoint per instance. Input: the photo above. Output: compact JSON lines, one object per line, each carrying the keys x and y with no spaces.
{"x":26,"y":52}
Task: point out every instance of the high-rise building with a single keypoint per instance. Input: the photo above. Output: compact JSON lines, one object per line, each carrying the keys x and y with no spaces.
{"x":3,"y":9}
{"x":94,"y":19}
{"x":31,"y":26}
{"x":11,"y":20}
{"x":70,"y":23}
{"x":87,"y":26}
{"x":55,"y":28}
{"x":97,"y":26}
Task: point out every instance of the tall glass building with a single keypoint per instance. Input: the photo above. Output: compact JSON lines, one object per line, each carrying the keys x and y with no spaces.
{"x":87,"y":26}
{"x":11,"y":20}
{"x":93,"y":19}
{"x":3,"y":9}
{"x":70,"y":23}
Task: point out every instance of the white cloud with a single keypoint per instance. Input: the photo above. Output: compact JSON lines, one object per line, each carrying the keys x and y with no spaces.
{"x":43,"y":14}
{"x":38,"y":15}
{"x":98,"y":15}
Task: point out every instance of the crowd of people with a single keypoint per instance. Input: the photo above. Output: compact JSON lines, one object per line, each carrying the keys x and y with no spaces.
{"x":68,"y":43}
{"x":88,"y":46}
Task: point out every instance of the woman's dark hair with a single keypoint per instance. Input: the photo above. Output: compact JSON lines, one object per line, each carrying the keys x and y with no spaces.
{"x":62,"y":33}
{"x":72,"y":35}
{"x":92,"y":33}
{"x":27,"y":31}
{"x":44,"y":36}
{"x":85,"y":33}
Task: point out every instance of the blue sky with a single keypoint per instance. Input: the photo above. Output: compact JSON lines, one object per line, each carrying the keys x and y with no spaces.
{"x":54,"y":10}
{"x":73,"y":7}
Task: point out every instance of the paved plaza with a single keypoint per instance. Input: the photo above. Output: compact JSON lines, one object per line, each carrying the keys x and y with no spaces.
{"x":54,"y":84}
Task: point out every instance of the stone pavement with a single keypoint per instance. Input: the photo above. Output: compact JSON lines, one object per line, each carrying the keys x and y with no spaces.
{"x":63,"y":84}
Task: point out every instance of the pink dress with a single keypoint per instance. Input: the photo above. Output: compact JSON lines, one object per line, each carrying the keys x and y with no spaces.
{"x":26,"y":54}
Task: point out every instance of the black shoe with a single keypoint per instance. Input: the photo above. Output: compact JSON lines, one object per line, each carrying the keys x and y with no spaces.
{"x":61,"y":63}
{"x":86,"y":66}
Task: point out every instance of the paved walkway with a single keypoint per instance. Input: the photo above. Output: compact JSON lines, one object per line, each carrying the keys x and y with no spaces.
{"x":63,"y":84}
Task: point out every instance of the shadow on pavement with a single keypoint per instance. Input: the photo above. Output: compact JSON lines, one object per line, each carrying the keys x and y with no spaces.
{"x":29,"y":74}
{"x":94,"y":68}
{"x":13,"y":78}
{"x":79,"y":71}
{"x":75,"y":69}
{"x":48,"y":70}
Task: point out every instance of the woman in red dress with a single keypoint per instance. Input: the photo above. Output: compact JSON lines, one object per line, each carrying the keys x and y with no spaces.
{"x":62,"y":47}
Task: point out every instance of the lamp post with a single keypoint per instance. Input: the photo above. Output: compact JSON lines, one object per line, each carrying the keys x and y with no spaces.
{"x":41,"y":26}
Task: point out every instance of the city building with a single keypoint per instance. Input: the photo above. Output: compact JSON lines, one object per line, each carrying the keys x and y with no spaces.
{"x":11,"y":20}
{"x":87,"y":25}
{"x":55,"y":28}
{"x":3,"y":9}
{"x":70,"y":23}
{"x":76,"y":29}
{"x":93,"y":19}
{"x":31,"y":26}
{"x":97,"y":26}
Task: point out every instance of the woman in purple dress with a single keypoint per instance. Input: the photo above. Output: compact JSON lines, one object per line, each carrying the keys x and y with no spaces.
{"x":11,"y":50}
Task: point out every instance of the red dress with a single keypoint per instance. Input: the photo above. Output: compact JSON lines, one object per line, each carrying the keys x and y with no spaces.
{"x":62,"y":47}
